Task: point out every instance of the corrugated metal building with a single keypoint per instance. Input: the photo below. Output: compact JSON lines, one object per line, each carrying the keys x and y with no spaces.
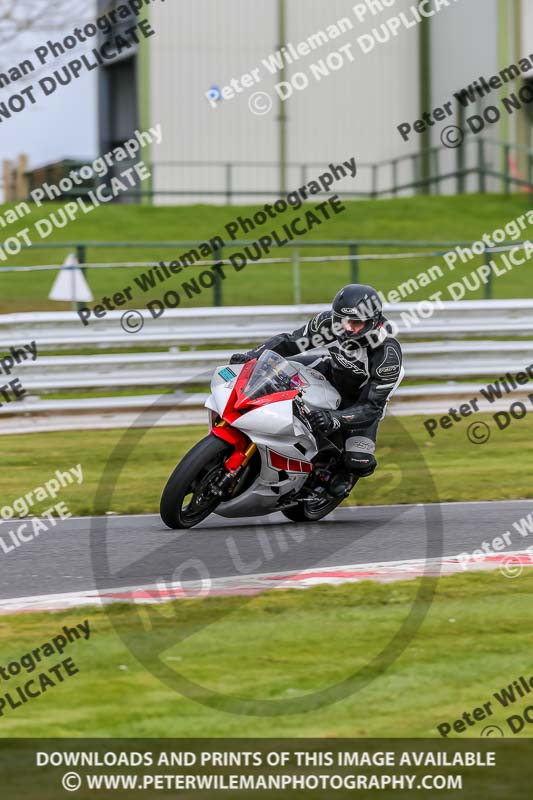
{"x":412,"y":67}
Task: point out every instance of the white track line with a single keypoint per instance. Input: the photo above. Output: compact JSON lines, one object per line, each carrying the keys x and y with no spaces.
{"x":511,"y":565}
{"x":331,"y":517}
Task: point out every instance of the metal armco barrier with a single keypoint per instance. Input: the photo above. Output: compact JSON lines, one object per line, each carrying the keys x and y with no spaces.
{"x":460,"y":341}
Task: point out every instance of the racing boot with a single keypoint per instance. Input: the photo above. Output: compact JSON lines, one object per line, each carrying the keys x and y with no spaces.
{"x":342,"y":484}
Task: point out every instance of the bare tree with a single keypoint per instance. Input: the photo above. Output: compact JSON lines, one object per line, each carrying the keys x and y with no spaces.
{"x":20,"y":16}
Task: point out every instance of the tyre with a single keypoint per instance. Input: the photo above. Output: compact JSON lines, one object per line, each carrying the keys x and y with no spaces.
{"x":313,"y":509}
{"x":188,"y":498}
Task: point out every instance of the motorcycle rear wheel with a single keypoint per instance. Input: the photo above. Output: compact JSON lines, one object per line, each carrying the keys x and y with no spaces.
{"x":188,"y":498}
{"x":312,"y":510}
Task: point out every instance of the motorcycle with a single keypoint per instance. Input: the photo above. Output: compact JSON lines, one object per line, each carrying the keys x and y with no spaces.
{"x":260,"y":455}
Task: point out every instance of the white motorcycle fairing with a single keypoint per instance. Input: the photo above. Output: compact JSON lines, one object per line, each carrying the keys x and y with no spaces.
{"x":285,"y":445}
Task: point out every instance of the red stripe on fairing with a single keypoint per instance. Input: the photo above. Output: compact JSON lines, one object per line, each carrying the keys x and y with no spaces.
{"x":278,"y":461}
{"x":238,"y":401}
{"x":277,"y":397}
{"x":230,"y":414}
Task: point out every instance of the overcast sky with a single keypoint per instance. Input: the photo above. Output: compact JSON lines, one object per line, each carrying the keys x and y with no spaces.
{"x":60,"y":126}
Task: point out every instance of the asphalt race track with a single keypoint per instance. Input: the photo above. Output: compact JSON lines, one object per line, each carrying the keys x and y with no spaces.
{"x":82,"y":554}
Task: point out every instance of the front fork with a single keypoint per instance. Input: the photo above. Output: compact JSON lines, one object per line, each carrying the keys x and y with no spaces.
{"x":239,"y":459}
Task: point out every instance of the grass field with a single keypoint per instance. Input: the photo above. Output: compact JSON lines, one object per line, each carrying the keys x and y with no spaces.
{"x":413,"y":468}
{"x":279,"y":646}
{"x":419,"y":218}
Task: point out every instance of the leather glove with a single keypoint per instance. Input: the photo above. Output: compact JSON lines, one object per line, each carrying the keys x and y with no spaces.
{"x":322,"y":420}
{"x":240,"y":358}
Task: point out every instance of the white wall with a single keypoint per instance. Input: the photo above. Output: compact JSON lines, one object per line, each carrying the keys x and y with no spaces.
{"x":354,"y":112}
{"x":527,"y":28}
{"x":198,"y":45}
{"x":464,"y":47}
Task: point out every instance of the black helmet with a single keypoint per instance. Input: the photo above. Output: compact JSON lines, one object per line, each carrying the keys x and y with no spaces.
{"x":358,"y":303}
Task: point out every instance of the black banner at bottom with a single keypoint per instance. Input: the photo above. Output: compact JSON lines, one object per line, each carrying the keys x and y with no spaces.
{"x":51,"y":769}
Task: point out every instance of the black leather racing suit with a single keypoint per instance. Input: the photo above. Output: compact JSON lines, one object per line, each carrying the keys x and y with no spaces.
{"x":365,"y":372}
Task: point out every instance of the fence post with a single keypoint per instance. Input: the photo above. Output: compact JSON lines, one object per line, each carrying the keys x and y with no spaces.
{"x":217,"y":285}
{"x":414,"y":170}
{"x":153,"y":167}
{"x":488,"y":285}
{"x":374,"y":181}
{"x":481,"y":165}
{"x":229,"y":183}
{"x":354,"y":264}
{"x":395,"y":177}
{"x":81,"y":256}
{"x":460,"y":153}
{"x":507,"y":151}
{"x":436,"y":170}
{"x":296,"y":277}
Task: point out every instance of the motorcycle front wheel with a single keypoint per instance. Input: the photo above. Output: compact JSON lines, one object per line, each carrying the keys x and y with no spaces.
{"x":189,"y":496}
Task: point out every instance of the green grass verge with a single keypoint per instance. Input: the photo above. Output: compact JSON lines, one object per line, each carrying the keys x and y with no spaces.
{"x":419,"y":218}
{"x":475,"y":640}
{"x":412,"y":467}
{"x":95,"y":393}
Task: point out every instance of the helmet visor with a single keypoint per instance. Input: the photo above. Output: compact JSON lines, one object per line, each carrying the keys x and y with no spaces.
{"x":351,"y":326}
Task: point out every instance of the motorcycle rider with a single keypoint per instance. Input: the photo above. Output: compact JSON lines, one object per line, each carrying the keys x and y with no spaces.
{"x":364,"y":364}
